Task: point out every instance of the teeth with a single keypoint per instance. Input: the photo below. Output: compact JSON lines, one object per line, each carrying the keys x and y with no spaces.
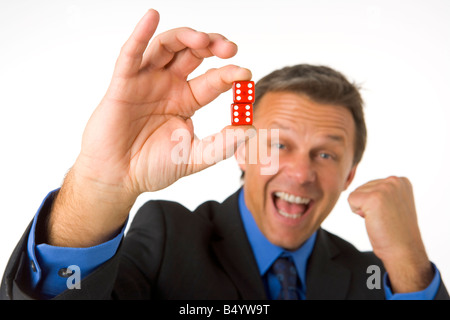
{"x":287,"y":215}
{"x":291,"y":198}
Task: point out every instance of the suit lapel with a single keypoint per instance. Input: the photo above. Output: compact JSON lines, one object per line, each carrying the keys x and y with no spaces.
{"x":233,"y":250}
{"x":325,"y":278}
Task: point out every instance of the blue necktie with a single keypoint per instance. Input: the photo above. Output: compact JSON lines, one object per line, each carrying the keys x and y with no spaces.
{"x":284,"y":269}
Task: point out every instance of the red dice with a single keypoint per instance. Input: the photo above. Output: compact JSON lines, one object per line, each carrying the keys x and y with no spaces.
{"x":241,"y":113}
{"x":242,"y":108}
{"x":243,"y":91}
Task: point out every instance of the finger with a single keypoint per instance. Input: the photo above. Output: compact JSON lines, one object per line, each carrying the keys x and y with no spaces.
{"x":218,"y":147}
{"x":356,"y":200}
{"x":164,"y":47}
{"x":187,"y":60}
{"x":220,"y":47}
{"x":210,"y":85}
{"x":130,"y":56}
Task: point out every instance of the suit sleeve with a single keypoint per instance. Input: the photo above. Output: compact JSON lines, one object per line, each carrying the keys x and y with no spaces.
{"x":42,"y":271}
{"x":33,"y":272}
{"x":435,"y":291}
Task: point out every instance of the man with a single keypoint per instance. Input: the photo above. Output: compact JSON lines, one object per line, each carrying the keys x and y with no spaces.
{"x":245,"y":248}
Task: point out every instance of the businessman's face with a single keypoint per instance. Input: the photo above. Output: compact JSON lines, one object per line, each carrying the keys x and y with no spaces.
{"x":315,"y":165}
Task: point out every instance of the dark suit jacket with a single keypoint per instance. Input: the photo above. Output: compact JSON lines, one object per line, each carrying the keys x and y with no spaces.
{"x":173,"y":253}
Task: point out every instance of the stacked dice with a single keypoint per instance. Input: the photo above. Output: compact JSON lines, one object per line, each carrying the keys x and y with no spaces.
{"x":242,"y":108}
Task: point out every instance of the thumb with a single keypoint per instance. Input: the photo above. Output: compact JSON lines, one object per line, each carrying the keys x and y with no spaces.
{"x":356,"y":201}
{"x":219,"y":146}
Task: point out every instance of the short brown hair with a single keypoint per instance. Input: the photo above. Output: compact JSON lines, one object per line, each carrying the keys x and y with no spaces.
{"x":323,"y":85}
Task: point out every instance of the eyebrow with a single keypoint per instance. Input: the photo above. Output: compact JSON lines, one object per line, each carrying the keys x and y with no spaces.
{"x":276,"y":125}
{"x":333,"y":137}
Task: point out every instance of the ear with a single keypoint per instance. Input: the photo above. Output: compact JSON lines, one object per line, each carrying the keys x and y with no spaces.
{"x":350,"y":176}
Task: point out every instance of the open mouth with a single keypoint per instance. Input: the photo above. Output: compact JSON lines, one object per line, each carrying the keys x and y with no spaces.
{"x":291,"y":206}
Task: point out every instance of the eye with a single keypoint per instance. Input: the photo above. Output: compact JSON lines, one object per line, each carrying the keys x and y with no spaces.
{"x":279,"y":146}
{"x":325,"y":156}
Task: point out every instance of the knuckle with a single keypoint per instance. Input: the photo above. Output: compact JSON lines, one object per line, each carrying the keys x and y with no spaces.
{"x":393,"y":180}
{"x":406,"y":181}
{"x":351,"y":197}
{"x":398,"y":182}
{"x":392,"y":183}
{"x":378,"y":197}
{"x":212,"y":70}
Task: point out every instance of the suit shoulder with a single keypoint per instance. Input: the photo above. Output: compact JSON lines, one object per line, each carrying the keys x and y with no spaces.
{"x":173,"y":207}
{"x":161,"y":212}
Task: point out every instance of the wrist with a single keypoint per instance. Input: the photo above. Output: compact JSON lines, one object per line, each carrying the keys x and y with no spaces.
{"x":86,"y":213}
{"x":409,"y":271}
{"x":96,"y":186}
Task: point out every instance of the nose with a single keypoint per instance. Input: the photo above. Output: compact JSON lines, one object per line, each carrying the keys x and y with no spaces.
{"x":299,"y":167}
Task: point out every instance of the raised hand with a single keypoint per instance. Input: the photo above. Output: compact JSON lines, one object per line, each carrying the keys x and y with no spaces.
{"x":128,"y":138}
{"x":127,"y":143}
{"x":387,"y":205}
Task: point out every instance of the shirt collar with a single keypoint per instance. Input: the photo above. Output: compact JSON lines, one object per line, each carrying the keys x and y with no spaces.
{"x":265,"y":252}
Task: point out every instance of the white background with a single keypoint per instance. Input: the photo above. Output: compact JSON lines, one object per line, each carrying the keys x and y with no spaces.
{"x":56,"y":60}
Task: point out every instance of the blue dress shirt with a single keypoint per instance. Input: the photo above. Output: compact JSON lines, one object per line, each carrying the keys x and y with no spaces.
{"x":266,"y":253}
{"x":46,"y":261}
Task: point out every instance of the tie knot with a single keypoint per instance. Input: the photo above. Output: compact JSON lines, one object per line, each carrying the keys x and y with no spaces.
{"x":284,"y":269}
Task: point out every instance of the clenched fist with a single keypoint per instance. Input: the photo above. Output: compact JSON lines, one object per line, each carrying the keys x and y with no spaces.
{"x":387,"y":205}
